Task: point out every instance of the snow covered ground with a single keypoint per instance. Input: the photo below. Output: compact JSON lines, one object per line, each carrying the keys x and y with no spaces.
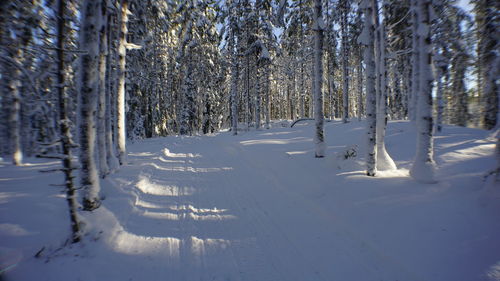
{"x":259,"y":206}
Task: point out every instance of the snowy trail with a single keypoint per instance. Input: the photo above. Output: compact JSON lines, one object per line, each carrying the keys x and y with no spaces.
{"x":253,"y":227}
{"x":260,"y":207}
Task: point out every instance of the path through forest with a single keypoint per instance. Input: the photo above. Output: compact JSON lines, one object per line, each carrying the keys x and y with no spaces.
{"x":259,"y":206}
{"x":226,"y":210}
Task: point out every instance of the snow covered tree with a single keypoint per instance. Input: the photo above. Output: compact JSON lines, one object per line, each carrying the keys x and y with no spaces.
{"x":488,"y":59}
{"x":88,"y":87}
{"x":398,"y":16}
{"x":268,"y":43}
{"x":331,"y":62}
{"x":15,"y":36}
{"x":233,"y":30}
{"x":423,"y":167}
{"x":298,"y":37}
{"x":344,"y":13}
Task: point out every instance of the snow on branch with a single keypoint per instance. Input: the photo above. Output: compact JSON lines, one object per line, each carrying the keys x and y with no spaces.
{"x":132,"y":46}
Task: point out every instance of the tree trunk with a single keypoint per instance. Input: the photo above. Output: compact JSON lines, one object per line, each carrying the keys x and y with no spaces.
{"x":267,"y":94}
{"x":423,"y":166}
{"x":345,"y":63}
{"x":89,"y":42}
{"x":15,"y":108}
{"x":64,"y":127}
{"x":439,"y":100}
{"x":234,"y":77}
{"x":360,"y":87}
{"x":257,"y":97}
{"x":120,"y":111}
{"x":384,"y":161}
{"x":371,"y":148}
{"x":415,"y":66}
{"x":318,"y":26}
{"x":111,"y":107}
{"x":101,"y":113}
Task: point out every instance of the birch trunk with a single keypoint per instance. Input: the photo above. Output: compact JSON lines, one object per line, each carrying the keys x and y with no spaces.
{"x":423,"y":166}
{"x":88,"y":86}
{"x":371,"y":148}
{"x":318,"y":26}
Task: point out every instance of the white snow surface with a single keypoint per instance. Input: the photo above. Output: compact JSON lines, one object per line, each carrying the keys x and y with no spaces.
{"x":259,"y":206}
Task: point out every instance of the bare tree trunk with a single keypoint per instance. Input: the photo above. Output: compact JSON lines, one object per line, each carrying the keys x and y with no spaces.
{"x":234,"y":94}
{"x":318,"y":26}
{"x":267,"y":94}
{"x":371,"y":148}
{"x":423,"y":166}
{"x":302,"y":102}
{"x":415,"y":66}
{"x":384,"y":161}
{"x":120,"y":112}
{"x":345,"y":62}
{"x":257,"y":96}
{"x":111,"y":107}
{"x":234,"y":73}
{"x":101,"y":113}
{"x":360,"y":87}
{"x":439,"y":99}
{"x":89,"y":42}
{"x":15,"y":109}
{"x":64,"y":121}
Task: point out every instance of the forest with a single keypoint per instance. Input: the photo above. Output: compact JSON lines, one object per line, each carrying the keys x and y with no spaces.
{"x":120,"y":99}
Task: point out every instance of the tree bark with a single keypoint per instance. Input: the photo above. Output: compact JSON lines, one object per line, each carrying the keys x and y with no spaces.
{"x":423,"y":166}
{"x":64,"y":121}
{"x":120,"y":111}
{"x":371,"y":148}
{"x":89,"y":42}
{"x":318,"y":26}
{"x":384,"y":161}
{"x":101,"y":113}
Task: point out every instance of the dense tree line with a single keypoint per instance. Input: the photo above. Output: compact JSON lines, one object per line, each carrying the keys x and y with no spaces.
{"x":79,"y":78}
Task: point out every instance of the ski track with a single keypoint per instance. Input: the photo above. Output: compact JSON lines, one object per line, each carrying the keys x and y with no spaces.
{"x":259,"y":207}
{"x":250,"y":227}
